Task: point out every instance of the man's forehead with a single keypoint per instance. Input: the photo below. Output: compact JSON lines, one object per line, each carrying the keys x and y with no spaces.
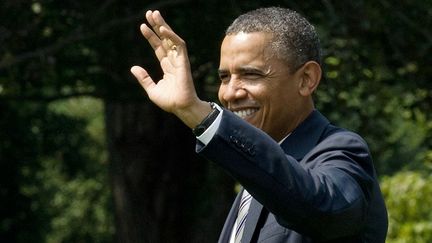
{"x":241,"y":36}
{"x":245,"y":36}
{"x":255,"y":42}
{"x":241,"y":49}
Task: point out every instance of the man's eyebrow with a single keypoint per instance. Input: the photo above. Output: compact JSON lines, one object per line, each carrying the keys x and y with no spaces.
{"x":222,"y":71}
{"x":244,"y":69}
{"x":250,"y":69}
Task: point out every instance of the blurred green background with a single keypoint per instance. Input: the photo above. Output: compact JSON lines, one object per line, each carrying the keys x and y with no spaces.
{"x":85,"y":157}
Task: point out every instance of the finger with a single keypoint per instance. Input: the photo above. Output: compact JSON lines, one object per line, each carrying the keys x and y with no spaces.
{"x":154,"y":40}
{"x":151,"y":21}
{"x":171,"y":41}
{"x":171,"y":35}
{"x":155,"y":19}
{"x":159,"y":20}
{"x":143,"y":78}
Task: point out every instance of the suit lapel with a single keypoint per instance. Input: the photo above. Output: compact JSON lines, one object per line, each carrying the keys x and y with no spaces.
{"x":305,"y":136}
{"x":229,"y":222}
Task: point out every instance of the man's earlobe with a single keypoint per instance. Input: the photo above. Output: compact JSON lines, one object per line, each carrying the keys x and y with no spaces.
{"x":311,"y":76}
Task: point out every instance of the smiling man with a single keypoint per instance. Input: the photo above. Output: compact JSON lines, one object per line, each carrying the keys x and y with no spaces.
{"x":263,"y":89}
{"x":304,"y":179}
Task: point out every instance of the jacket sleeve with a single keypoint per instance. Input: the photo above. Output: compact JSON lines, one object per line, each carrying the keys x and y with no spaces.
{"x":325,"y":195}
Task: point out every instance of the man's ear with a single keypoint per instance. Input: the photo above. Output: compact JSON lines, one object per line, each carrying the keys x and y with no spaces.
{"x":310,"y":78}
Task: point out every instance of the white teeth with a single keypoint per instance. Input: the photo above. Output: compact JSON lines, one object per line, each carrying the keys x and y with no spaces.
{"x":244,"y":113}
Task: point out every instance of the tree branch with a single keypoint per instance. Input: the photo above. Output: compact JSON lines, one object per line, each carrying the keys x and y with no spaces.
{"x":46,"y":99}
{"x":408,"y":21}
{"x":78,"y":35}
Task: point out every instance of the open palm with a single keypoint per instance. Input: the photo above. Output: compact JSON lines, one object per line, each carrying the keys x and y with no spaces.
{"x":175,"y":91}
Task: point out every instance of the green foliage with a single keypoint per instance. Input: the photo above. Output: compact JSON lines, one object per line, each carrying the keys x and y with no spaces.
{"x":408,"y":197}
{"x":54,"y":177}
{"x":57,"y":157}
{"x":375,"y":81}
{"x":79,"y":195}
{"x":76,"y":207}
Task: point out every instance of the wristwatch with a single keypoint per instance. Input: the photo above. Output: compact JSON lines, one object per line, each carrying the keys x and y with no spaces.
{"x":208,"y":120}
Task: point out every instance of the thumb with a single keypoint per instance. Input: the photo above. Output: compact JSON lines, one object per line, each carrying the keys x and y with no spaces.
{"x":143,"y":78}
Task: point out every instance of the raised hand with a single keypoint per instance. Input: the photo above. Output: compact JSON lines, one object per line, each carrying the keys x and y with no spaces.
{"x":175,"y":92}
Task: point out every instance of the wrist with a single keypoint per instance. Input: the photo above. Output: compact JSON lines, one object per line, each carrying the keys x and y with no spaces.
{"x":207,"y":121}
{"x":194,"y":114}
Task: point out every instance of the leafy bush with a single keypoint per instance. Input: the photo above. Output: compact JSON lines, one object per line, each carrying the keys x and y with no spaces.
{"x":408,"y":196}
{"x":67,"y":186}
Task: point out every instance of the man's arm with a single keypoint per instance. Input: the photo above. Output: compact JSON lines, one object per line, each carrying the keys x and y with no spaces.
{"x":325,"y":195}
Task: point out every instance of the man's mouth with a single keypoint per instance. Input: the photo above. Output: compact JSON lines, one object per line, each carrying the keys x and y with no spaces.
{"x":245,"y":113}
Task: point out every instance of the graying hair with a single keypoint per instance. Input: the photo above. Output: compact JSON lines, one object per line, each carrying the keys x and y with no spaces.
{"x":294,"y":39}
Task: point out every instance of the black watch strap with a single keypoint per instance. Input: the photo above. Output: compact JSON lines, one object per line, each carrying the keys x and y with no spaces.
{"x":208,"y":120}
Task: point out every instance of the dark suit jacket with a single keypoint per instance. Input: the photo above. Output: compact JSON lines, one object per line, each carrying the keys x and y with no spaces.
{"x":319,"y":185}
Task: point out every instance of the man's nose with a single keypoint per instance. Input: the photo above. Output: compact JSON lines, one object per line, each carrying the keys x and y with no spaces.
{"x":235,"y":90}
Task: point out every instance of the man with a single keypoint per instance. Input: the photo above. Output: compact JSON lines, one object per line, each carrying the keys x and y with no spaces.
{"x":304,"y":179}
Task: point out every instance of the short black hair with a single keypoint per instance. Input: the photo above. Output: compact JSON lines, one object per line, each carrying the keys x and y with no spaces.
{"x":294,"y":39}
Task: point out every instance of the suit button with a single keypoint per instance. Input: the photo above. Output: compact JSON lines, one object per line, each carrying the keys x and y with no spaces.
{"x":251,"y":150}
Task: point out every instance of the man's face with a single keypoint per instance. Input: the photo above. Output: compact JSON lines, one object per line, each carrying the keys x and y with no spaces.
{"x":258,"y":87}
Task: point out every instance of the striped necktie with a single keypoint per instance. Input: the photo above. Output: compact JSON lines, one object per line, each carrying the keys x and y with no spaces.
{"x":242,"y":215}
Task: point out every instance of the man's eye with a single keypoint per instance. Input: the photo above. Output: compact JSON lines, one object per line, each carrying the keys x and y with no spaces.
{"x":224,"y":77}
{"x":252,"y":75}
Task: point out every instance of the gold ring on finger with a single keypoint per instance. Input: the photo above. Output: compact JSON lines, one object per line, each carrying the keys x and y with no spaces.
{"x":170,"y":44}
